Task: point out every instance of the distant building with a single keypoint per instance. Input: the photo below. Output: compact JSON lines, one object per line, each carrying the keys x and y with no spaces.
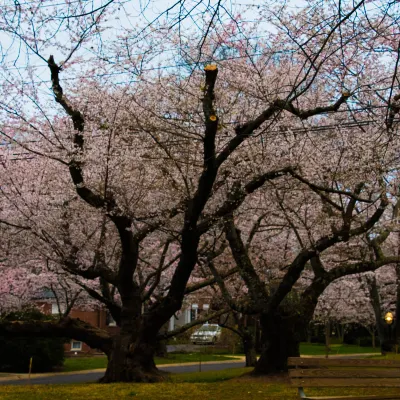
{"x":188,"y":314}
{"x":101,"y":318}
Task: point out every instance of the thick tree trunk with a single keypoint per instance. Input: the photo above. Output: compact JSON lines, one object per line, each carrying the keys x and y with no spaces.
{"x":131,"y":358}
{"x":249,"y":347}
{"x":131,"y":362}
{"x":279,"y":341}
{"x":161,"y":349}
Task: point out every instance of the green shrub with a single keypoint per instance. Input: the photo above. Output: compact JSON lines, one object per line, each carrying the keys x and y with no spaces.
{"x":231,"y":341}
{"x":15,"y":353}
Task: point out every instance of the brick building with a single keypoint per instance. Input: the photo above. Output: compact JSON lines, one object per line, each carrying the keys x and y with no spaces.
{"x":99,"y":318}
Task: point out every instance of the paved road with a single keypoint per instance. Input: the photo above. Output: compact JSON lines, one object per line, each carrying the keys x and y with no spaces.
{"x":94,"y":376}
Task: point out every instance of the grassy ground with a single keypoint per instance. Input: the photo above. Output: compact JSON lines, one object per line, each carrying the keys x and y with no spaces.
{"x":315,"y":349}
{"x":233,"y":384}
{"x":86,"y":363}
{"x":388,"y":356}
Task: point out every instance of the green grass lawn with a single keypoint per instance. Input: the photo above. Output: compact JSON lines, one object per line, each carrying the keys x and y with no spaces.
{"x":232,"y":384}
{"x":316,"y":349}
{"x":388,"y":356}
{"x":86,"y":363}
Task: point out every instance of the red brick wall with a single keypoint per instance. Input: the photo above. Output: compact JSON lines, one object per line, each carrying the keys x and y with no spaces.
{"x":96,"y":318}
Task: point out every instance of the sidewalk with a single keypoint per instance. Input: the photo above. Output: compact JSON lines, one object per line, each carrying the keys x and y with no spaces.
{"x":13,"y":377}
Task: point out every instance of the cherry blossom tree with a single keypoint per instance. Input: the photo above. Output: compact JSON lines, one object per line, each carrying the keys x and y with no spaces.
{"x":300,"y":137}
{"x":345,"y":302}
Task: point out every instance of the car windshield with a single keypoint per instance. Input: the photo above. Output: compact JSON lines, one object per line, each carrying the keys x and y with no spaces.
{"x":208,"y":328}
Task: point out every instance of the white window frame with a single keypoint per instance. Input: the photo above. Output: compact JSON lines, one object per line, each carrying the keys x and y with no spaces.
{"x":56,"y":310}
{"x":187,"y":315}
{"x":72,"y":346}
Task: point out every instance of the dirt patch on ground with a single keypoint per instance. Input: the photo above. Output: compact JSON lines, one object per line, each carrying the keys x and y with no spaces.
{"x":274,"y":378}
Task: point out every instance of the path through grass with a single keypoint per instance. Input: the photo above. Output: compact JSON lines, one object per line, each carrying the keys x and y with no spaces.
{"x":87,"y":363}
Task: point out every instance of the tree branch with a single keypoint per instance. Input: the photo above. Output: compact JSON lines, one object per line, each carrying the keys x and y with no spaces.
{"x":67,"y":327}
{"x":184,"y":328}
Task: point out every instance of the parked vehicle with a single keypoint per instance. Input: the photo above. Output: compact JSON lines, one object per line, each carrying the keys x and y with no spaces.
{"x":207,"y":334}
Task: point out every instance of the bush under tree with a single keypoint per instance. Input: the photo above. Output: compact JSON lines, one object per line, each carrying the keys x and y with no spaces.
{"x":15,"y":353}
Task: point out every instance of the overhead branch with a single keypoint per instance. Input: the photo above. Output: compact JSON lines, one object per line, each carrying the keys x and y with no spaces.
{"x":208,"y":282}
{"x":348,"y":214}
{"x":71,"y":303}
{"x":153,"y":274}
{"x":93,"y":272}
{"x":76,"y":165}
{"x":234,"y":305}
{"x":342,"y":235}
{"x":254,"y":230}
{"x":112,"y":306}
{"x":376,"y":242}
{"x":65,"y":328}
{"x":23,"y":227}
{"x":238,"y":194}
{"x":247,"y":129}
{"x":318,"y":189}
{"x":253,"y":282}
{"x":358,"y":268}
{"x":304,"y":114}
{"x":209,"y":255}
{"x":312,"y":293}
{"x":317,"y":266}
{"x":199,"y":321}
{"x":158,"y":273}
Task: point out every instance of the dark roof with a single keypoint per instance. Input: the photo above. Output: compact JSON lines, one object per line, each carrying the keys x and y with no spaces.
{"x":44,"y":293}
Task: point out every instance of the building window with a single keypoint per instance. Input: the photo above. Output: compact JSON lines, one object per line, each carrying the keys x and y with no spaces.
{"x":76,"y":346}
{"x":193,"y":312}
{"x":56,"y":310}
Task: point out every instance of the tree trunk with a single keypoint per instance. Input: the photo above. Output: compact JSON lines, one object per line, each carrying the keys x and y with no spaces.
{"x":279,"y":341}
{"x":161,"y":345}
{"x":382,"y":328}
{"x":161,"y":349}
{"x":308,"y":333}
{"x":385,"y":338}
{"x":131,"y":362}
{"x":340,"y":330}
{"x":327,"y":338}
{"x":249,"y":347}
